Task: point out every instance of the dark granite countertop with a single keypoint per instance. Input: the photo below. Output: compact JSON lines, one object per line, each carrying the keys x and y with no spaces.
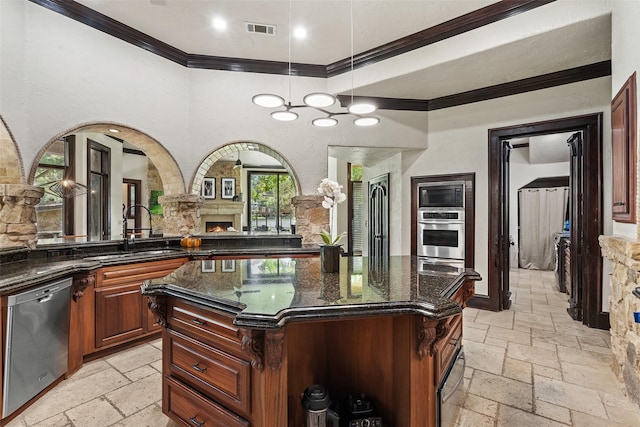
{"x":21,"y":268}
{"x":269,"y":292}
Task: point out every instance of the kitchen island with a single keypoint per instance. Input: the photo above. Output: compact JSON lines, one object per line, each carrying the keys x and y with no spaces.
{"x":243,"y":338}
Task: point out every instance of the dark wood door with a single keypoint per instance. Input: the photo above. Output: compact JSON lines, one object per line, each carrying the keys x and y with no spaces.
{"x":119,"y":315}
{"x":505,"y":242}
{"x":379,"y":216}
{"x":576,"y":235}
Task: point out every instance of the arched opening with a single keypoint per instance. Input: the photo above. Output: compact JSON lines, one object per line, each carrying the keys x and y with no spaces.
{"x":116,"y":173}
{"x":246,"y":186}
{"x":11,"y":169}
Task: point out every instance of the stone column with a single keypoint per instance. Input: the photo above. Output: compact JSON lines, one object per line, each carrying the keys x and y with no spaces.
{"x":311,"y":218}
{"x":624,"y":254}
{"x":181,"y":214}
{"x":18,"y":223}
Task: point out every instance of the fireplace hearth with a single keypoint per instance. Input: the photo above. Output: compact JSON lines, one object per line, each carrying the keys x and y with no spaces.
{"x":217,"y":226}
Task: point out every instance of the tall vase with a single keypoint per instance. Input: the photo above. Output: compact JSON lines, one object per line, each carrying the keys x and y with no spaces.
{"x":330,"y":258}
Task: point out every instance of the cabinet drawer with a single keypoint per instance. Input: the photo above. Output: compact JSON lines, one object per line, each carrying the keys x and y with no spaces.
{"x":119,"y":274}
{"x":206,"y":325}
{"x":194,"y":410}
{"x":217,"y":374}
{"x":447,"y":347}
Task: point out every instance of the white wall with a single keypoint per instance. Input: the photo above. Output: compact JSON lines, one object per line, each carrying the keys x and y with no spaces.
{"x":458,"y":143}
{"x":625,"y":60}
{"x":522,"y":173}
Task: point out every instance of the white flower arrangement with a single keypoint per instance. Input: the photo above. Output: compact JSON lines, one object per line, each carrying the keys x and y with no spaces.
{"x":332,"y":192}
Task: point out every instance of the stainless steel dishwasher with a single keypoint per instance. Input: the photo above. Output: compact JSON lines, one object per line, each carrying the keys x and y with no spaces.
{"x":37,"y":345}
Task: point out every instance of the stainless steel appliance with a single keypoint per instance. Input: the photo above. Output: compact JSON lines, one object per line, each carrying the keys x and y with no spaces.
{"x":447,"y":194}
{"x":36,"y":348}
{"x":451,"y":392}
{"x":439,"y":266}
{"x":441,"y":234}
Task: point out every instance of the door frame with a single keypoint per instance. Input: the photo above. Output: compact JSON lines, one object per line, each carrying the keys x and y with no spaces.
{"x":590,"y":227}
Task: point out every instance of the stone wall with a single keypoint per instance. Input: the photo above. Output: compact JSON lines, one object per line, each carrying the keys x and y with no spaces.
{"x":11,"y":166}
{"x":18,"y":214}
{"x":624,"y":254}
{"x":181,"y":214}
{"x":311,"y":218}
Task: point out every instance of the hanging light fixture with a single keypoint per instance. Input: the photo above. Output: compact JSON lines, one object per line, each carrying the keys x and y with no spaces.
{"x":238,"y":163}
{"x":317,"y":100}
{"x":66,"y":188}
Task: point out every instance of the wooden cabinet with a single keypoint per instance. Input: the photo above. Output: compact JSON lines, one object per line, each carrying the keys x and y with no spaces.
{"x":217,"y":374}
{"x":624,"y":152}
{"x":207,"y":375}
{"x":120,"y":314}
{"x":114,"y":311}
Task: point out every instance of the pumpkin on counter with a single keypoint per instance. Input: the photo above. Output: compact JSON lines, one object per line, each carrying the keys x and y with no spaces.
{"x":190,"y":242}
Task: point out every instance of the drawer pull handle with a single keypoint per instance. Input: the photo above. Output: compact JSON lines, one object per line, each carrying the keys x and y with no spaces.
{"x":199,"y":322}
{"x":454,"y":342}
{"x":198,"y":368}
{"x":195,"y":421}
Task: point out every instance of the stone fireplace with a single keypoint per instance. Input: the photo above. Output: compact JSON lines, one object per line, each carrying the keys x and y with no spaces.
{"x":624,"y":254}
{"x":217,"y":226}
{"x":219,"y":215}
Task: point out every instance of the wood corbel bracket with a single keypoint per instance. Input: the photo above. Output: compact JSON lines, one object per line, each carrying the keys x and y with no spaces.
{"x":468,"y":291}
{"x":264,"y":345}
{"x":158,"y":306}
{"x":429,"y":333}
{"x":80,"y":284}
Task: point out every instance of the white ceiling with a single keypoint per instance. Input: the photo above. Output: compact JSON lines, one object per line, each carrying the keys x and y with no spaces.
{"x":186,"y":24}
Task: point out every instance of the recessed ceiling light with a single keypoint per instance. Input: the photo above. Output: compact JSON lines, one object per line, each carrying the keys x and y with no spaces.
{"x":219,"y":23}
{"x":114,"y":130}
{"x":300,"y":33}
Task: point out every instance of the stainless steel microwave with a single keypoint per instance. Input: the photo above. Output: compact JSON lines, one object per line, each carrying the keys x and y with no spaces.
{"x":448,"y":194}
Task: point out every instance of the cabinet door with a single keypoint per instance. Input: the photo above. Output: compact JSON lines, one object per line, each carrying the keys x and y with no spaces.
{"x":623,"y":152}
{"x":119,"y":315}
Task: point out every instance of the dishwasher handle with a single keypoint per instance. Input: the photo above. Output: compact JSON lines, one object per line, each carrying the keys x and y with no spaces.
{"x":45,"y":299}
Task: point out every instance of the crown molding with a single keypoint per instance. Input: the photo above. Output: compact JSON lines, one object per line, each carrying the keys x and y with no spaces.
{"x":467,"y":22}
{"x":456,"y":26}
{"x":544,"y":81}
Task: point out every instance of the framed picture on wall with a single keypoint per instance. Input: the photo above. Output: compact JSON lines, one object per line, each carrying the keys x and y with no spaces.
{"x":228,"y":188}
{"x":228,"y":265}
{"x":209,"y":266}
{"x":209,"y":188}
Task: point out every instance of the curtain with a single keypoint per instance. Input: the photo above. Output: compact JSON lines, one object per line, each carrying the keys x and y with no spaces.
{"x":542,"y":213}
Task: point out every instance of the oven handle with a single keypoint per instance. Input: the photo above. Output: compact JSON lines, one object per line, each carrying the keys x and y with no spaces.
{"x":440,"y":221}
{"x":445,"y":396}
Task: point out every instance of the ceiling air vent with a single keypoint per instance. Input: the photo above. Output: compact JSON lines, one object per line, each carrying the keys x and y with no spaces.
{"x":267,"y":29}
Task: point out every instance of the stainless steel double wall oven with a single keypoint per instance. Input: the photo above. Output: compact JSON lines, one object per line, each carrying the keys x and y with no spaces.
{"x":441,"y":222}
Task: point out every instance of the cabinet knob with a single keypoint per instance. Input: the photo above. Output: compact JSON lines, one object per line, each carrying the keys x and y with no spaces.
{"x":199,"y":322}
{"x":619,"y":204}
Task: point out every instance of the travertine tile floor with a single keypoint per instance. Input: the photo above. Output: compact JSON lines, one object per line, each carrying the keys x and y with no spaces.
{"x":535,"y":366}
{"x":529,"y":366}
